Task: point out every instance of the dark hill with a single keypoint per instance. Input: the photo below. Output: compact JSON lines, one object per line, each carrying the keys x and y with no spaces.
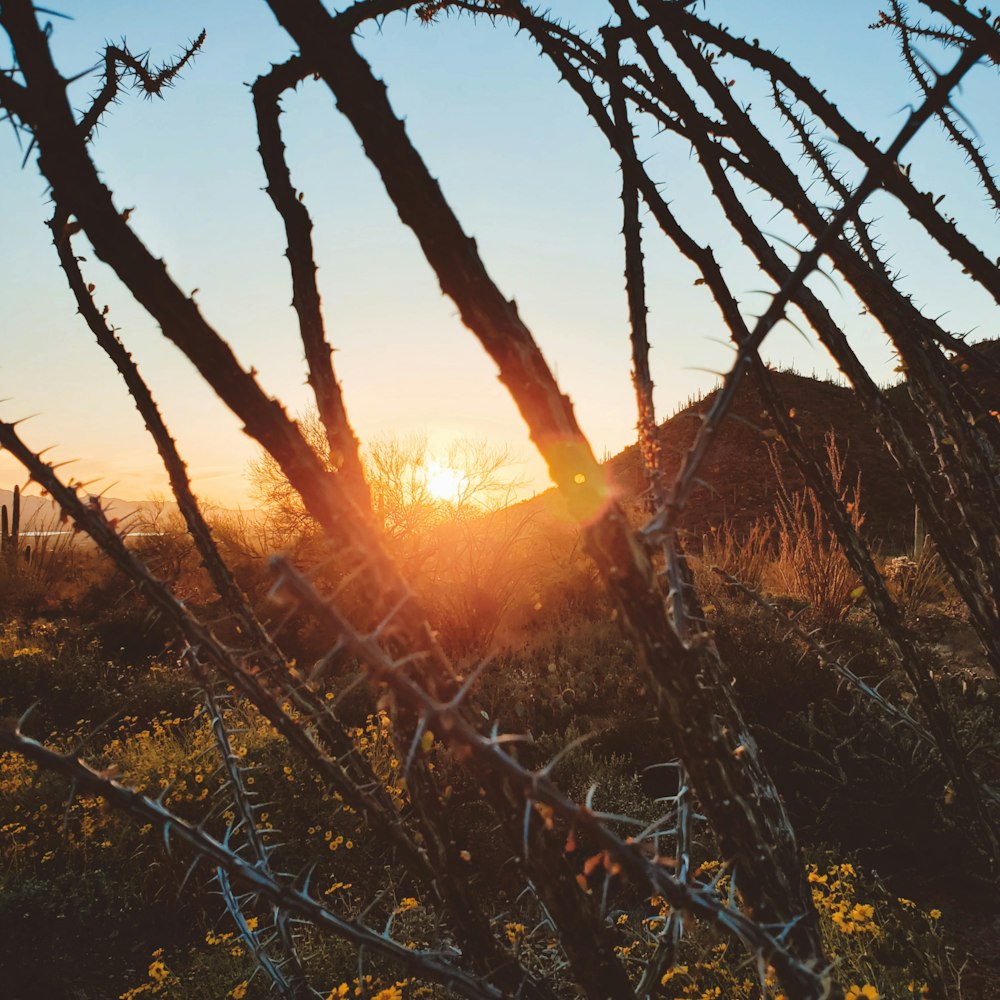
{"x":739,"y":472}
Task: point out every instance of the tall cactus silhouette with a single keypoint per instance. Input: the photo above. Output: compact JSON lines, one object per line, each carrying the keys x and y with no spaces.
{"x":10,"y":531}
{"x":15,"y":521}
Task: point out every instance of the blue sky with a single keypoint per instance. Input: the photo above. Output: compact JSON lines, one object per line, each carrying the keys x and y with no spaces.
{"x":527,"y":173}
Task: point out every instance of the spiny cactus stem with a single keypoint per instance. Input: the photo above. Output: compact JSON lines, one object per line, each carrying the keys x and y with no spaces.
{"x":457,"y":730}
{"x":412,"y":961}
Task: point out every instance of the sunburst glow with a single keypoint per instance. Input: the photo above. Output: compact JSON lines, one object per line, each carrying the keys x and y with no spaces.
{"x":444,"y":482}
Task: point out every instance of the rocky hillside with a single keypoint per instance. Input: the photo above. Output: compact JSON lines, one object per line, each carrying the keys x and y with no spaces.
{"x":740,"y":475}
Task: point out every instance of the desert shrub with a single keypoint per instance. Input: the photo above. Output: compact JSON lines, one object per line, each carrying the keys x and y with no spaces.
{"x":747,"y":556}
{"x":160,"y":538}
{"x":587,"y":769}
{"x":43,"y":575}
{"x":772,"y":678}
{"x":917,"y":582}
{"x":560,"y":587}
{"x":129,"y":633}
{"x":848,"y":774}
{"x":473,"y":575}
{"x":246,"y":541}
{"x":76,"y":935}
{"x":584,"y":672}
{"x":72,"y":678}
{"x":49,"y":840}
{"x":811,"y":565}
{"x":851,"y":777}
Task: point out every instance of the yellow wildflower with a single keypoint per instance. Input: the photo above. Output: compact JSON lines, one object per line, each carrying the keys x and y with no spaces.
{"x":677,"y":970}
{"x":514,"y":932}
{"x":158,"y":971}
{"x":866,"y":992}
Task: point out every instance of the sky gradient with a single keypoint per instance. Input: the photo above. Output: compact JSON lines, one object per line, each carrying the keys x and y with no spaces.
{"x":528,"y":176}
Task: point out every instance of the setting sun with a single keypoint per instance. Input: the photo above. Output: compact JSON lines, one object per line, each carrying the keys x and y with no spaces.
{"x":444,"y":482}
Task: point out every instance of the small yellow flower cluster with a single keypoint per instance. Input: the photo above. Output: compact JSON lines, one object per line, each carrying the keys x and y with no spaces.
{"x":850,"y":925}
{"x":858,"y":920}
{"x":160,"y":981}
{"x":833,"y":896}
{"x":515,"y":932}
{"x":677,"y":970}
{"x":158,"y":971}
{"x":337,"y":887}
{"x":345,"y":990}
{"x":374,"y":740}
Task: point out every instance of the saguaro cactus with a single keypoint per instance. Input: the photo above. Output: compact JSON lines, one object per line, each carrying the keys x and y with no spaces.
{"x":15,"y":521}
{"x":10,"y":530}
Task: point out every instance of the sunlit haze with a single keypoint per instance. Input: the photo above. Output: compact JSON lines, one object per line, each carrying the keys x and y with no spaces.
{"x":526,"y":172}
{"x":445,"y":483}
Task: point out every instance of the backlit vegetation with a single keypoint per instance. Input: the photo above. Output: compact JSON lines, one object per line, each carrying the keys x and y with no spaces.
{"x":401,"y":738}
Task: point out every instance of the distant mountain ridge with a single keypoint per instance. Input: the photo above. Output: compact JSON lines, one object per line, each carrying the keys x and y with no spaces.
{"x":42,"y":513}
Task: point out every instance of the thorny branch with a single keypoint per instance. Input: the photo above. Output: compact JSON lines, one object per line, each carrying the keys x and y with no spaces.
{"x":119,"y":61}
{"x":666,"y":519}
{"x":681,"y":593}
{"x":445,"y":720}
{"x":425,"y":688}
{"x":745,"y":819}
{"x":326,"y":496}
{"x":973,"y":152}
{"x":291,"y":984}
{"x":286,"y":896}
{"x":267,"y":92}
{"x":88,"y":517}
{"x":827,"y":658}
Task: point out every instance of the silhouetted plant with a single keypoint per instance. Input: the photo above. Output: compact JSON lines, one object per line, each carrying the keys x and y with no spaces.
{"x":747,"y":556}
{"x":657,"y":62}
{"x":811,"y":564}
